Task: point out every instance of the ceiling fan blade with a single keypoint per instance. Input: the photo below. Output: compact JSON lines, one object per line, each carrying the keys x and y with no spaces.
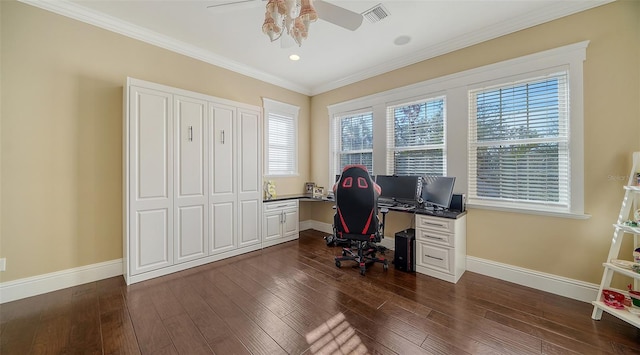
{"x":337,"y":15}
{"x":233,"y":4}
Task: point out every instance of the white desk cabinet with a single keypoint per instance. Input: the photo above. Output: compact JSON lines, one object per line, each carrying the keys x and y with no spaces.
{"x":280,"y":222}
{"x":441,"y":247}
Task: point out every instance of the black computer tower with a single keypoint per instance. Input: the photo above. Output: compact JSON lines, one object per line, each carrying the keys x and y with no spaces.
{"x":405,"y":253}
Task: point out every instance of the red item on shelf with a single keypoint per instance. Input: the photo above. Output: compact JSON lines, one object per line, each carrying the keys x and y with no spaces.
{"x":613,"y":299}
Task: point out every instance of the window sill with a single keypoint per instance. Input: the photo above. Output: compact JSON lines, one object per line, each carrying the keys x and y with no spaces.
{"x":281,"y":176}
{"x":558,"y":214}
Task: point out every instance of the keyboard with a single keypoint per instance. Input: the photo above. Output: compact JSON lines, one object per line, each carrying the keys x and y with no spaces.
{"x":404,"y":208}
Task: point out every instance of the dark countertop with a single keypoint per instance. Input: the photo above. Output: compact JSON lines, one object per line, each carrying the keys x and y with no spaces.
{"x":426,"y":212}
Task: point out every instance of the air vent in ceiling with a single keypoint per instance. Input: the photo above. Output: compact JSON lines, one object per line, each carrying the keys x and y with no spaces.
{"x":376,"y":13}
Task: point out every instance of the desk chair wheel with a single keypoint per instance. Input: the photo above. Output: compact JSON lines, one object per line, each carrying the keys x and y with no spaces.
{"x":385,"y":266}
{"x":363,"y":270}
{"x":338,"y":263}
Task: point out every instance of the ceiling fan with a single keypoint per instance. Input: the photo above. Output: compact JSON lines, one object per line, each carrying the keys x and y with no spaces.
{"x":331,"y":13}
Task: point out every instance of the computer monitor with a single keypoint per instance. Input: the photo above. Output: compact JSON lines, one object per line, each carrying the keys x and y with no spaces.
{"x":402,"y":189}
{"x":437,"y":191}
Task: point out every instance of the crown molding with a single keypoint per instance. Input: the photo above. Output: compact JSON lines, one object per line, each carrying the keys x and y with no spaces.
{"x":72,"y":10}
{"x":555,"y":11}
{"x":110,"y":23}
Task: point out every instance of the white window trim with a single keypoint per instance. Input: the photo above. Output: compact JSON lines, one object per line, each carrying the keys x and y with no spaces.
{"x":333,"y":140}
{"x":284,"y":109}
{"x":455,"y":86}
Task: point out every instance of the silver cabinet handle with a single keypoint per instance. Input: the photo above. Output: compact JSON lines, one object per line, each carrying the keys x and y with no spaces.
{"x":222,"y":136}
{"x":433,"y":224}
{"x":431,"y":237}
{"x":190,"y":133}
{"x":434,"y":257}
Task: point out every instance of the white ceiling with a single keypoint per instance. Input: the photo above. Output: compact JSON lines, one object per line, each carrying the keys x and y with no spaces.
{"x":332,"y":56}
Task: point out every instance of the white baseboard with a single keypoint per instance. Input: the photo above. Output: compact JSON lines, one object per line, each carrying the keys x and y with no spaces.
{"x":32,"y":286}
{"x":36,"y":285}
{"x":575,"y":289}
{"x":316,"y":225}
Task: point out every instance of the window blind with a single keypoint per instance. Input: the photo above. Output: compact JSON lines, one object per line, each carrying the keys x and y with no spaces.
{"x":519,"y":142}
{"x":353,"y":141}
{"x":281,"y":138}
{"x":416,"y":137}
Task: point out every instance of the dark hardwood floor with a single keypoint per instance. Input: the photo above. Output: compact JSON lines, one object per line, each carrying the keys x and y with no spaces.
{"x":291,"y":299}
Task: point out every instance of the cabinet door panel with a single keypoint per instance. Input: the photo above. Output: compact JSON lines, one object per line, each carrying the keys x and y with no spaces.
{"x":221,"y":227}
{"x":190,"y":155}
{"x":190,"y":202}
{"x":249,"y":222}
{"x":190,"y":236}
{"x":434,"y":257}
{"x":221,"y":136}
{"x":149,"y":180}
{"x":272,"y":222}
{"x":151,"y":243}
{"x":150,"y":127}
{"x":250,"y":167}
{"x":291,"y":224}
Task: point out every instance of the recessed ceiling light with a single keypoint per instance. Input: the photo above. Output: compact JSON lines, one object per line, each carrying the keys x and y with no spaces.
{"x":294,"y":57}
{"x":402,"y":40}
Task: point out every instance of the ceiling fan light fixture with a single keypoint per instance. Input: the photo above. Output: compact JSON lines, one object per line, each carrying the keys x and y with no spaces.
{"x":270,"y":28}
{"x":293,"y":15}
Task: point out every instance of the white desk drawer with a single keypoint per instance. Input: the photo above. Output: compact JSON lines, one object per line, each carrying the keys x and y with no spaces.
{"x":276,"y":205}
{"x":430,"y":236}
{"x":435,"y":223}
{"x":435,"y":257}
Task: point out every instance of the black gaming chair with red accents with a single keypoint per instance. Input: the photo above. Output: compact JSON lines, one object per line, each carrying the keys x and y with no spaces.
{"x":356,"y":219}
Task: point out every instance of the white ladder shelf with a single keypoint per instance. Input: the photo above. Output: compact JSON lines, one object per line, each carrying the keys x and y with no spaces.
{"x":631,"y":191}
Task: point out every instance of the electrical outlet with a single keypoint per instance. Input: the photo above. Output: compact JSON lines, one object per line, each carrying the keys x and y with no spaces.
{"x":3,"y":264}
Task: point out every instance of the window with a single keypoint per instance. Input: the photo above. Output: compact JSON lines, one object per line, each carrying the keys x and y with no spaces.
{"x":511,"y":132}
{"x":352,"y":141}
{"x":281,"y":130}
{"x":519,"y":143}
{"x":416,"y":138}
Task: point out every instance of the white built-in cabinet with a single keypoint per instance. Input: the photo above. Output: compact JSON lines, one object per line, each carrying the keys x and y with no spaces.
{"x":192,"y":179}
{"x":280,"y":222}
{"x":441,"y":246}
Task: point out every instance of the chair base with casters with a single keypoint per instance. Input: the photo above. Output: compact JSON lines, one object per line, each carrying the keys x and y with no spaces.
{"x":363,"y":251}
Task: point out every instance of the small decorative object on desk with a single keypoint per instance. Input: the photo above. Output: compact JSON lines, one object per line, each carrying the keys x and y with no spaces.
{"x":638,"y":179}
{"x":636,"y":255}
{"x":308,"y":187}
{"x":318,"y":192}
{"x":269,"y":190}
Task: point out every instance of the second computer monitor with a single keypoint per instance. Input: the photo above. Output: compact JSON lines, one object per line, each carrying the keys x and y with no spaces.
{"x":403,"y":189}
{"x":438,"y":190}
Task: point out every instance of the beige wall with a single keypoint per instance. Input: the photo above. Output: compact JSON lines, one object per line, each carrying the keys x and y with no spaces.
{"x":61,"y":136}
{"x":566,"y":247}
{"x":61,"y":152}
